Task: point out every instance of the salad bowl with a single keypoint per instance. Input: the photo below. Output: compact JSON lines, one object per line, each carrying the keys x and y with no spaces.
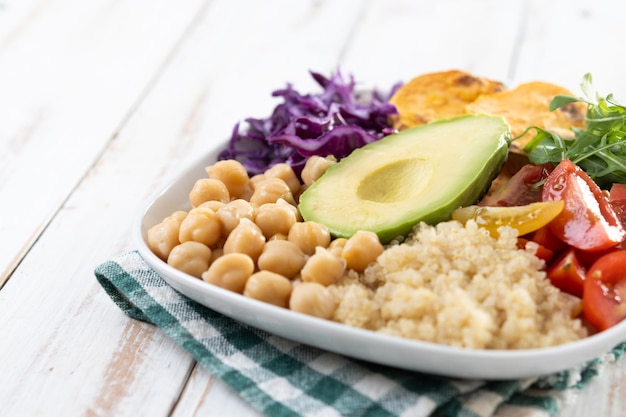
{"x":357,"y":343}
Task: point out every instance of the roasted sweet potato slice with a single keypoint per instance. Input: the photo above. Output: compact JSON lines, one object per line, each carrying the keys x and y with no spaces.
{"x":437,"y":95}
{"x":529,"y":105}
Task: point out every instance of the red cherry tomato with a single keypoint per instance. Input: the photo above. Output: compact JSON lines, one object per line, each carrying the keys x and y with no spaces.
{"x":618,"y":201}
{"x":588,"y":221}
{"x":567,"y":274}
{"x":618,"y":193}
{"x":604,"y":295}
{"x":587,"y":258}
{"x":547,"y":239}
{"x":542,"y":252}
{"x":520,"y":189}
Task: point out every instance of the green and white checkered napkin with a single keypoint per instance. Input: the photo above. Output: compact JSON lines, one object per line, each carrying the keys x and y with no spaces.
{"x":280,"y":377}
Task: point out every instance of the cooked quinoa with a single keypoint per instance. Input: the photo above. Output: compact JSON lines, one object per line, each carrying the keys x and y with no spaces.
{"x":456,"y":285}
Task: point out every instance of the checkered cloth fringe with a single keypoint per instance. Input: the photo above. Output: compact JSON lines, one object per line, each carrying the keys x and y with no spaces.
{"x":280,"y":377}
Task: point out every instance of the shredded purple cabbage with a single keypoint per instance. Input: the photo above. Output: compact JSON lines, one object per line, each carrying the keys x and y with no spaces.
{"x":333,"y":122}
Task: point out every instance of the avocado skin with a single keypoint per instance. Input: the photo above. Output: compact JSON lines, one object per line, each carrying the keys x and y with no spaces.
{"x":391,"y":185}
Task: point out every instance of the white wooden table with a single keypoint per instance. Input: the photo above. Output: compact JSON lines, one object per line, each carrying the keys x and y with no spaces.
{"x":102,"y":101}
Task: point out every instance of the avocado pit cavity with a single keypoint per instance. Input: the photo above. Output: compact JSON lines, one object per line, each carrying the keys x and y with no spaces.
{"x":396,"y":181}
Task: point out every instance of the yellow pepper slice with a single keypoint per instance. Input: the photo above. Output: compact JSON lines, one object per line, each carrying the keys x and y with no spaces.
{"x":524,"y":219}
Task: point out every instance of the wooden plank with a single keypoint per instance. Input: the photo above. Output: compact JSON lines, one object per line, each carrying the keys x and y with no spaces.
{"x":206,"y":395}
{"x":70,"y":72}
{"x":604,"y":396}
{"x":64,"y":349}
{"x":563,"y":40}
{"x":15,"y":18}
{"x":398,"y":40}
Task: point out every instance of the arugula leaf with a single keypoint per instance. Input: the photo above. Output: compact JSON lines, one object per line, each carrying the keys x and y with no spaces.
{"x":599,"y":148}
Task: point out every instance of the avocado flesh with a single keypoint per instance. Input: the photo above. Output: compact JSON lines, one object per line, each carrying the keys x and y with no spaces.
{"x":421,"y":174}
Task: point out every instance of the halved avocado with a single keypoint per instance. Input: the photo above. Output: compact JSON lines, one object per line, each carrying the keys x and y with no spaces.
{"x":420,"y":174}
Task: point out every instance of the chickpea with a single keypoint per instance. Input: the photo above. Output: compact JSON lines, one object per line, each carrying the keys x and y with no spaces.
{"x":308,"y":235}
{"x":216,"y":253}
{"x":362,"y":249}
{"x":291,"y":207}
{"x":274,"y":218}
{"x":323,"y":267}
{"x":230,"y":271}
{"x":177,"y":215}
{"x":163,"y":237}
{"x":284,"y":172}
{"x":230,"y":214}
{"x":207,"y":189}
{"x":190,"y":257}
{"x":269,"y":190}
{"x":269,"y":287}
{"x":277,"y":236}
{"x":313,"y":299}
{"x":214,"y":205}
{"x":232,"y":173}
{"x":255,"y":179}
{"x":283,"y":257}
{"x":314,"y":168}
{"x":201,"y":225}
{"x":248,"y":190}
{"x":245,"y":238}
{"x":336,"y":246}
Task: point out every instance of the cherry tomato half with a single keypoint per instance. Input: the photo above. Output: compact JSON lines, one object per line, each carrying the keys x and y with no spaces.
{"x":521,"y":188}
{"x":618,"y":201}
{"x":588,"y":221}
{"x":546,"y":238}
{"x":587,"y":258}
{"x":604,"y":295}
{"x":567,"y":274}
{"x":618,"y":193}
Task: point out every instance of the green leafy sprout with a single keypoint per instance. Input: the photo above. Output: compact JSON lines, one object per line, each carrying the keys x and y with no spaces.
{"x":599,"y":148}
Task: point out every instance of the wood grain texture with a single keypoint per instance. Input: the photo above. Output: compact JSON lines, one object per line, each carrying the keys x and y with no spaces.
{"x":563,"y":40}
{"x":70,"y":73}
{"x":398,"y":40}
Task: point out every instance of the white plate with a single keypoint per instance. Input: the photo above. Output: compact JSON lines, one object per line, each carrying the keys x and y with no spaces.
{"x":358,"y":343}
